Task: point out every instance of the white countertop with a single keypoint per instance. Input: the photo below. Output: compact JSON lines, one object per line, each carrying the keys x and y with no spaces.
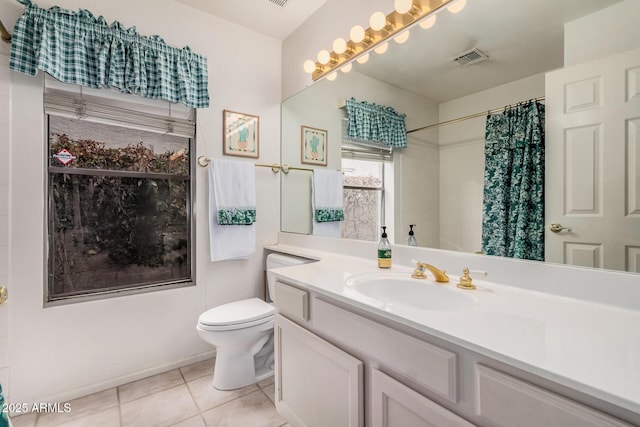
{"x":593,"y":348}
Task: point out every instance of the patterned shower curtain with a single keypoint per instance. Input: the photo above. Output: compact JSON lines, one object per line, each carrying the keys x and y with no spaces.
{"x":513,"y":215}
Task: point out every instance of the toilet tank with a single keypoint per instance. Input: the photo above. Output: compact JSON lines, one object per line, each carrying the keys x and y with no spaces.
{"x":276,"y":260}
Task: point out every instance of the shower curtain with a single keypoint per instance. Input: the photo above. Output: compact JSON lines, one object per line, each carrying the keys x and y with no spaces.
{"x":513,"y":214}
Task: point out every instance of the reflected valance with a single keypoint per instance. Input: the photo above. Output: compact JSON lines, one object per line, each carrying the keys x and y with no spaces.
{"x":376,"y":123}
{"x":78,"y":48}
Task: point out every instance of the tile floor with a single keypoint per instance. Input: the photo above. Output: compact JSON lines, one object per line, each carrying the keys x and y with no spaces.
{"x":183,"y":397}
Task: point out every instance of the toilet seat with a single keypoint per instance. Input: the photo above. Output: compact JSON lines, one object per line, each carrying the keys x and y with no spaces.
{"x":237,"y":315}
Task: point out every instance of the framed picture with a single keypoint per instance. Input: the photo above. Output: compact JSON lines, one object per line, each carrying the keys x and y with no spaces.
{"x":241,"y":134}
{"x":314,"y":146}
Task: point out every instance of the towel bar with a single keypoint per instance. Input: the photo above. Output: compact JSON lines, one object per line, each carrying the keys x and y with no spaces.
{"x":275,"y":168}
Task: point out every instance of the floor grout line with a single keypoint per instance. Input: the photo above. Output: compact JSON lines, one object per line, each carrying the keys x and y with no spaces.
{"x":200,"y":412}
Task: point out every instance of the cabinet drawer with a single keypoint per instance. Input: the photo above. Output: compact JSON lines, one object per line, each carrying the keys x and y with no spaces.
{"x":292,"y":301}
{"x":426,"y":364}
{"x":507,"y":401}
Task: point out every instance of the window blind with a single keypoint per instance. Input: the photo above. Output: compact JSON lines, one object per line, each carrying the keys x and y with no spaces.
{"x":120,"y":113}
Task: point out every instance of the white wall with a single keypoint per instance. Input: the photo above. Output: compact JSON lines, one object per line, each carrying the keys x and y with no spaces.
{"x":608,"y":31}
{"x":67,"y":351}
{"x":462,"y":160}
{"x":417,"y":190}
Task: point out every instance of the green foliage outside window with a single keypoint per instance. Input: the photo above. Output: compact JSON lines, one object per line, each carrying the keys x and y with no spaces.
{"x":114,"y":230}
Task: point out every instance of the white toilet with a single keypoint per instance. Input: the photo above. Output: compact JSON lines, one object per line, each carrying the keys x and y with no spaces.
{"x":242,"y":332}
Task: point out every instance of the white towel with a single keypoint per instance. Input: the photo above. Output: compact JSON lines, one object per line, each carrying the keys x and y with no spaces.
{"x":232,"y":190}
{"x":327,"y":202}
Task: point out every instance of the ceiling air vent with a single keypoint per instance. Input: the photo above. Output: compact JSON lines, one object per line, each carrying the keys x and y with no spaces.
{"x":471,"y":57}
{"x":280,"y":3}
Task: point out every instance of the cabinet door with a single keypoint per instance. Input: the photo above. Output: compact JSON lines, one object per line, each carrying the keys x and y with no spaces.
{"x":507,"y":401}
{"x":396,"y":405}
{"x":317,"y":384}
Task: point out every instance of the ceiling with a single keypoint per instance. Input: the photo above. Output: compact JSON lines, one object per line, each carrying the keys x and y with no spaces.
{"x":264,"y":16}
{"x":521,"y":37}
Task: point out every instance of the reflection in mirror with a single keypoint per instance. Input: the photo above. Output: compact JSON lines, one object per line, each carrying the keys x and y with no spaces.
{"x":437,"y":181}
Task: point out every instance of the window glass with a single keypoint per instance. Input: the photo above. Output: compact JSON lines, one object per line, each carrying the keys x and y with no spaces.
{"x":119,"y":208}
{"x":363,"y":198}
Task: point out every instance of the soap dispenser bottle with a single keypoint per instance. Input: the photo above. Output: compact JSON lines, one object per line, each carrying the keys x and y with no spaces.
{"x":411,"y":241}
{"x":384,"y":250}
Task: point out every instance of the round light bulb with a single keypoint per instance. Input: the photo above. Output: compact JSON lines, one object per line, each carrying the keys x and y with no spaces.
{"x":428,"y":23}
{"x":309,"y":66}
{"x":457,"y":6}
{"x":363,"y":59}
{"x":331,"y":77}
{"x":324,"y":56}
{"x":402,"y":37}
{"x":346,"y":68}
{"x":378,"y":21}
{"x":357,"y":34}
{"x":403,"y":6}
{"x":339,"y":45}
{"x":382,"y":48}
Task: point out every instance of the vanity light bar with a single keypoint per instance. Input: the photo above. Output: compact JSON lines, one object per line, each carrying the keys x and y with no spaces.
{"x":360,"y":44}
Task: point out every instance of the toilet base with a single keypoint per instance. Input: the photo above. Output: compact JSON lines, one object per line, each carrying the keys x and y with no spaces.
{"x":235,"y":370}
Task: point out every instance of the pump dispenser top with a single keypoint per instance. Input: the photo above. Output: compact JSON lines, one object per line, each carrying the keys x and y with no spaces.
{"x":411,"y":241}
{"x":384,"y":250}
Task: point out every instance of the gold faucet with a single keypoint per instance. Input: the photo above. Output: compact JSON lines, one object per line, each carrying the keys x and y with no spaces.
{"x":418,"y":273}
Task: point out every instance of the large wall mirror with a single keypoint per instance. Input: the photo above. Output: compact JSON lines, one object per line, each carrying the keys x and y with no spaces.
{"x":437,"y":181}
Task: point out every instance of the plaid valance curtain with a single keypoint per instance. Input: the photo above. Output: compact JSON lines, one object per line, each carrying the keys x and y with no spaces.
{"x":77,"y":48}
{"x":376,"y":123}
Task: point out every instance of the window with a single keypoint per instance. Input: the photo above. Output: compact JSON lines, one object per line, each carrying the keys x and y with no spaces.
{"x":119,"y":199}
{"x":363,"y":199}
{"x":367,"y":188}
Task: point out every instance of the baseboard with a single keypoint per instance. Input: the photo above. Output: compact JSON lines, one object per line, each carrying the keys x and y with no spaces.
{"x":124,"y":379}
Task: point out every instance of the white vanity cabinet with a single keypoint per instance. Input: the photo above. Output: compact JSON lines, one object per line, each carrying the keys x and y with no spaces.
{"x":317,"y":384}
{"x":320,"y":384}
{"x":340,"y":365}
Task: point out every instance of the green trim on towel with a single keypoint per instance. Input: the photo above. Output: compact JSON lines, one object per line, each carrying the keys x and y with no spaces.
{"x":236,"y":216}
{"x":329,"y":215}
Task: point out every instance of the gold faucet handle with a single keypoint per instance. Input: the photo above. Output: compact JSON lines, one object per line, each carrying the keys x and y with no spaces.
{"x":419,"y":273}
{"x":466,"y":281}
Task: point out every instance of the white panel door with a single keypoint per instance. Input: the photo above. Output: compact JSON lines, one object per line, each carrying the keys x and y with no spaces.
{"x":317,"y":384}
{"x":593,"y":163}
{"x":5,"y":120}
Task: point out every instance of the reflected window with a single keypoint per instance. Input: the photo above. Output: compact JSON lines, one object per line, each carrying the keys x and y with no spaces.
{"x":364,"y":196}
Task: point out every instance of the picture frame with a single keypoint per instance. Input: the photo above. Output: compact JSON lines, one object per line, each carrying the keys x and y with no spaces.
{"x":241,"y":134}
{"x":314,"y":145}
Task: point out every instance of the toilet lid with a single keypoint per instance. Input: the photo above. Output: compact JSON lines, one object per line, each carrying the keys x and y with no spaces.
{"x":237,"y":313}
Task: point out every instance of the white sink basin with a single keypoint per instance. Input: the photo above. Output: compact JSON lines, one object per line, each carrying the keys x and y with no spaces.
{"x":387,"y":290}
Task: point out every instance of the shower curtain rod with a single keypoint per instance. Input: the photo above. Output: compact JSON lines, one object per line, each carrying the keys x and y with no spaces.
{"x":4,"y":33}
{"x":471,"y":116}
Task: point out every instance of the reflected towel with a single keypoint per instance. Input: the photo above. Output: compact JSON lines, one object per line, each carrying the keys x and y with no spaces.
{"x":232,"y":209}
{"x":327,"y":202}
